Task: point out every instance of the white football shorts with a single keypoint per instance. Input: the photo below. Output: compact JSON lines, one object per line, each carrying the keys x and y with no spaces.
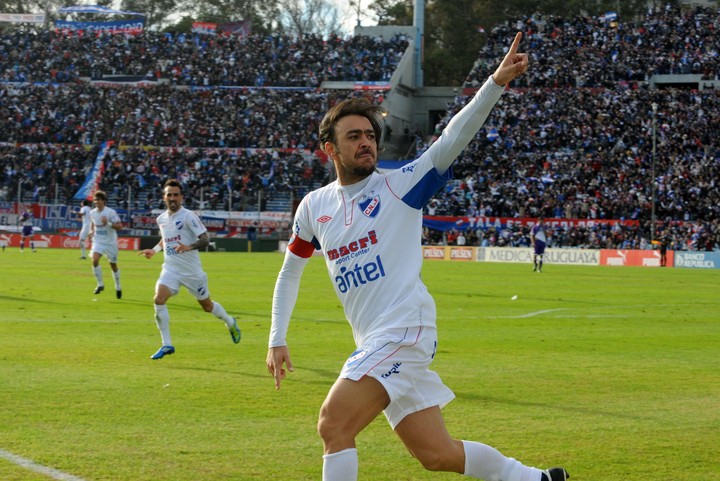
{"x":197,"y":285}
{"x":84,"y":232}
{"x":399,"y":359}
{"x":108,"y":250}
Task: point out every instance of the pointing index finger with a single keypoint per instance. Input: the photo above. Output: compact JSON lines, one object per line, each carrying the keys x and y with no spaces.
{"x":515,"y":44}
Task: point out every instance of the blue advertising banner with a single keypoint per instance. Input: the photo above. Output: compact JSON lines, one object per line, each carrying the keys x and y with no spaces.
{"x":121,"y":26}
{"x":698,"y":260}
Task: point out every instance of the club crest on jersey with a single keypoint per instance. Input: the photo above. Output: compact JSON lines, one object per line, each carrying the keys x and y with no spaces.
{"x":370,"y":207}
{"x":355,"y":357}
{"x":179,"y":224}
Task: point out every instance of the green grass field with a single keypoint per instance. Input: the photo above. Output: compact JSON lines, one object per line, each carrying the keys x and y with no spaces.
{"x":612,"y":372}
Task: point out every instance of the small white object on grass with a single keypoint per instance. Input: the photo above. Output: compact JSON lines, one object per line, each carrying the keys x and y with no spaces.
{"x":514,"y":298}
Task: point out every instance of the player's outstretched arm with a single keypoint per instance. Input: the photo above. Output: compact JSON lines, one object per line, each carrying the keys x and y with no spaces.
{"x":276,"y":357}
{"x":513,"y":65}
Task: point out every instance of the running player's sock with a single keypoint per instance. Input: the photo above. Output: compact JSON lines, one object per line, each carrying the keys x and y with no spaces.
{"x":162,"y":319}
{"x":219,"y":312}
{"x":116,"y":276}
{"x":340,"y":466}
{"x":485,"y":462}
{"x":82,"y":248}
{"x":516,"y":471}
{"x":98,"y":275}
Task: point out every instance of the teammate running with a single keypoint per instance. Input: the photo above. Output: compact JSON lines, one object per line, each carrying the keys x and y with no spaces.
{"x":181,"y":235}
{"x":104,"y":224}
{"x":84,"y":214}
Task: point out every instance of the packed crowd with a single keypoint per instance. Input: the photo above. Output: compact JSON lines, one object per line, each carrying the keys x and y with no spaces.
{"x":165,"y":116}
{"x":215,"y":179}
{"x":562,"y":152}
{"x":41,"y":55}
{"x":588,"y":154}
{"x":600,"y":51}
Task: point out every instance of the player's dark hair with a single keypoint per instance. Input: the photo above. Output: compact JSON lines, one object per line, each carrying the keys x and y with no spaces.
{"x":356,"y":106}
{"x":173,"y":183}
{"x":100,"y":194}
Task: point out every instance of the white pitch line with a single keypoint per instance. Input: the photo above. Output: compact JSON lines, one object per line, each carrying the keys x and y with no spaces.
{"x":39,"y":468}
{"x":536,"y":313}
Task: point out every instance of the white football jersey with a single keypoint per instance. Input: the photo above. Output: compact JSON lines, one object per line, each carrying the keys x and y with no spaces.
{"x":371,"y":244}
{"x":370,"y":234}
{"x":184,"y":226}
{"x":104,"y":235}
{"x":85,"y":216}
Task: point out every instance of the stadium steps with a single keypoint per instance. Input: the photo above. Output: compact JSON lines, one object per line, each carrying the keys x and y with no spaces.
{"x":280,"y":202}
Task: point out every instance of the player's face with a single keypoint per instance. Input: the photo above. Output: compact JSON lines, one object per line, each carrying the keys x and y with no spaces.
{"x":173,"y":198}
{"x":355,"y":149}
{"x":99,"y":203}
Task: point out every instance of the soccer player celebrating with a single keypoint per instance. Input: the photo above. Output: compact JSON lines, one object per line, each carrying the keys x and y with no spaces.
{"x":104,"y":224}
{"x":181,"y":235}
{"x":369,"y":228}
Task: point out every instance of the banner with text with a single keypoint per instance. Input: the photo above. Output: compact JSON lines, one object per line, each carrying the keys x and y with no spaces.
{"x":446,"y":223}
{"x":638,"y":258}
{"x":578,"y":257}
{"x":63,"y":242}
{"x":698,"y":260}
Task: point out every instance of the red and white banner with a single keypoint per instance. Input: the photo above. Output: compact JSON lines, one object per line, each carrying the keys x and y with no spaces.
{"x":53,"y":241}
{"x":624,"y":257}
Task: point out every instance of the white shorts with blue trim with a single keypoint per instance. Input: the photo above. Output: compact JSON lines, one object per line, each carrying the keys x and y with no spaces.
{"x":400,"y":359}
{"x":110,"y":251}
{"x":197,"y":284}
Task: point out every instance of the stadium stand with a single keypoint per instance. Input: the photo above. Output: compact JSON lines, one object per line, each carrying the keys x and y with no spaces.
{"x":226,"y":115}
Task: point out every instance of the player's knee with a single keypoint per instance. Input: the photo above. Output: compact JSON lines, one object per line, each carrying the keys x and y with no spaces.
{"x":435,"y":459}
{"x":207,"y":305}
{"x":330,"y":428}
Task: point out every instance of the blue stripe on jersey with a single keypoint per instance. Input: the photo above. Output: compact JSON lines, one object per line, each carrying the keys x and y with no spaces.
{"x":421,"y":193}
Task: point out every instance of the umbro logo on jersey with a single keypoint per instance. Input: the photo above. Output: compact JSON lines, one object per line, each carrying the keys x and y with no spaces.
{"x":324,"y":219}
{"x":370,"y":207}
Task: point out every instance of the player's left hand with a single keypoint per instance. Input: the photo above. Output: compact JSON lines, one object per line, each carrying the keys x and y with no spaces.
{"x":513,"y":65}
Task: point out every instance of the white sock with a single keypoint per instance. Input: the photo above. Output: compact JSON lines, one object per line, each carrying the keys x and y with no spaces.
{"x":485,"y":462}
{"x":340,"y":466}
{"x":219,"y":312}
{"x":98,"y":275}
{"x":162,"y":319}
{"x":116,"y":276}
{"x":516,"y":471}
